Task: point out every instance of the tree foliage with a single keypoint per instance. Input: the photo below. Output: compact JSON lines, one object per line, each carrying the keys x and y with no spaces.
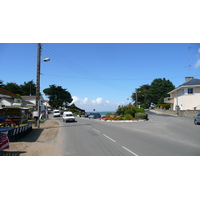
{"x":154,"y":93}
{"x":159,"y":89}
{"x":12,"y":87}
{"x":28,"y":88}
{"x":142,"y":95}
{"x":58,"y":96}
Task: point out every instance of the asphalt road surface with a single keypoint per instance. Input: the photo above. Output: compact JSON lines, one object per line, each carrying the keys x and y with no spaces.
{"x":161,"y":135}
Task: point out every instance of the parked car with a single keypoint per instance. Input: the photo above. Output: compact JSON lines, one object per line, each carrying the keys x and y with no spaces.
{"x":94,"y":116}
{"x":68,"y":117}
{"x":197,"y":119}
{"x":56,"y":113}
{"x":87,"y":114}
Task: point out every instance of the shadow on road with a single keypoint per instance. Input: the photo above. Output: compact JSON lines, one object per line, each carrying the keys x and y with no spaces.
{"x":11,"y":153}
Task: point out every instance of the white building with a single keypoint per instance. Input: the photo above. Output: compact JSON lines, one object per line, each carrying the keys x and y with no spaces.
{"x":186,"y":96}
{"x":32,"y":100}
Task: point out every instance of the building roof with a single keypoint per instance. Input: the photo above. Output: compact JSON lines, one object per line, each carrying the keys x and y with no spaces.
{"x":7,"y":94}
{"x":193,"y":82}
{"x":9,"y":100}
{"x":28,"y":97}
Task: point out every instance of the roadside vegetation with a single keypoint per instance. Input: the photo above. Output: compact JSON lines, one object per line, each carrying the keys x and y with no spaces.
{"x":128,"y":112}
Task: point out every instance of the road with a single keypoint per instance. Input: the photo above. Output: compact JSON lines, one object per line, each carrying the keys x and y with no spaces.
{"x":161,"y":135}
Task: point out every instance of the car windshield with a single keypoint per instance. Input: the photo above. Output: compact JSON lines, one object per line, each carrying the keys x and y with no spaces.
{"x":56,"y":111}
{"x":69,"y":115}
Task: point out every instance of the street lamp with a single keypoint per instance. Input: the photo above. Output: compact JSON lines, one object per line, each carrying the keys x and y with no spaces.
{"x":37,"y":120}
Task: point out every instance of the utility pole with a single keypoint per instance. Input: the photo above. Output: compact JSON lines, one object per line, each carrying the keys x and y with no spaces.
{"x":37,"y":121}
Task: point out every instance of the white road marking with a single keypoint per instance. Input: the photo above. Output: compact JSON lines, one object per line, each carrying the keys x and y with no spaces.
{"x":96,"y":130}
{"x":130,"y":151}
{"x":109,"y":138}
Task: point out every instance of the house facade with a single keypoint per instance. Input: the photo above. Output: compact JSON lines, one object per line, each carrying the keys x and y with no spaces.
{"x":185,"y":96}
{"x":32,"y":100}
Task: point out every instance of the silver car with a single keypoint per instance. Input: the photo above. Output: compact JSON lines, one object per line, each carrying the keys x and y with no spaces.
{"x":197,"y":119}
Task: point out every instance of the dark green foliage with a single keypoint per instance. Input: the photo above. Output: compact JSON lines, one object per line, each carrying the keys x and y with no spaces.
{"x":140,"y":115}
{"x":58,"y":96}
{"x":13,"y":87}
{"x":75,"y":110}
{"x":140,"y":96}
{"x":154,"y":93}
{"x":159,"y":89}
{"x":28,"y":88}
{"x":164,"y":106}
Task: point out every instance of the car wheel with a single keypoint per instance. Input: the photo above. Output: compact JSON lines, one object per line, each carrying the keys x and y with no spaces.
{"x":195,"y":122}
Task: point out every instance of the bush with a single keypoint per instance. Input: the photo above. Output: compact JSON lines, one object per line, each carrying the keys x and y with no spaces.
{"x":128,"y":117}
{"x":131,"y":112}
{"x":140,"y":110}
{"x":164,"y":106}
{"x":108,"y":114}
{"x":141,"y":115}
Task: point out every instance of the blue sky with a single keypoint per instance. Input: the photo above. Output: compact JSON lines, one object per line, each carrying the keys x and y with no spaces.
{"x":100,"y":76}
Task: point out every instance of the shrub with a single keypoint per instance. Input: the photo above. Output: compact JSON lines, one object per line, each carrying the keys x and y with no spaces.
{"x":141,"y":115}
{"x":131,"y":112}
{"x":108,"y":114}
{"x":164,"y":106}
{"x":128,"y":117}
{"x":140,"y":110}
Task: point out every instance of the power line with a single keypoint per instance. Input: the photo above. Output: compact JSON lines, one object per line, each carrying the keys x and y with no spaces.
{"x":67,"y":63}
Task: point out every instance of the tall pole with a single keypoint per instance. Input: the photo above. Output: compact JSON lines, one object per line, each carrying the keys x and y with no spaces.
{"x":136,"y":97}
{"x":38,"y":85}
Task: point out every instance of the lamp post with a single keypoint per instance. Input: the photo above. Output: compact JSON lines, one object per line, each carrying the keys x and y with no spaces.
{"x":37,"y":117}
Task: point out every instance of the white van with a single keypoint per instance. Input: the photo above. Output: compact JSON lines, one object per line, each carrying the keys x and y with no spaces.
{"x":68,"y":117}
{"x":56,"y":113}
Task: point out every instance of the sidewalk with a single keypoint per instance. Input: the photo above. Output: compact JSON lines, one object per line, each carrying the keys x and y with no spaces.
{"x":160,"y":112}
{"x":39,"y":142}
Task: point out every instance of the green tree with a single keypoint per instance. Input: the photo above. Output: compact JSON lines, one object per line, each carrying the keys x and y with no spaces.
{"x":12,"y":87}
{"x":1,"y":84}
{"x":158,"y":90}
{"x":28,"y":88}
{"x":142,"y":95}
{"x":58,"y":96}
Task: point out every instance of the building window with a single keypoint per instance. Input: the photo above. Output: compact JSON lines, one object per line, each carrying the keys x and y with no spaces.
{"x":190,"y":91}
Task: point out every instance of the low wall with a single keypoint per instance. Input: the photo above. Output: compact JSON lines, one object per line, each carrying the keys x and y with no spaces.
{"x":180,"y":113}
{"x":188,"y":113}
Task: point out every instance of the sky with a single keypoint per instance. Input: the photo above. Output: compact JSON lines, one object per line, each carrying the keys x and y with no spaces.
{"x":100,"y":51}
{"x":100,"y":76}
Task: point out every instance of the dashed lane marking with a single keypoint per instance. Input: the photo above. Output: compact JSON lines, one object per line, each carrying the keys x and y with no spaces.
{"x":109,"y":138}
{"x":129,"y":151}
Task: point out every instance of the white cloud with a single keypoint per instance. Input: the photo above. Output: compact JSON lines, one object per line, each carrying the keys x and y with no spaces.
{"x":97,"y":100}
{"x":79,"y":101}
{"x":98,"y":104}
{"x":197,"y":64}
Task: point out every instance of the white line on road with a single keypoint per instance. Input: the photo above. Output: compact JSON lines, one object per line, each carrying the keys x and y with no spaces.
{"x":109,"y":138}
{"x":130,"y":151}
{"x":96,"y":130}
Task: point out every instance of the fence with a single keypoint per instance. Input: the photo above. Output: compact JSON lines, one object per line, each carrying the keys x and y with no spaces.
{"x":18,"y":133}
